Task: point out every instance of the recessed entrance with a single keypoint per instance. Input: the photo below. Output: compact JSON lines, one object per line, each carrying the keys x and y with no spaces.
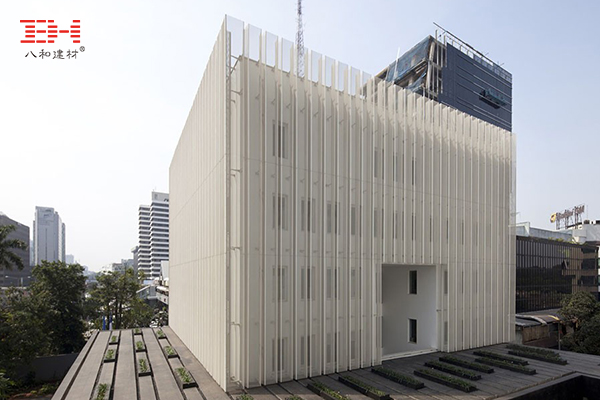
{"x":409,"y":319}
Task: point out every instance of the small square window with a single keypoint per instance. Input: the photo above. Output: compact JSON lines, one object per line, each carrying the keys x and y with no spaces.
{"x":412,"y":282}
{"x":412,"y":330}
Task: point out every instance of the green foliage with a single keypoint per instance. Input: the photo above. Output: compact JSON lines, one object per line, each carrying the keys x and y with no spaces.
{"x":578,"y":308}
{"x":170,"y":351}
{"x":161,"y":334}
{"x":110,"y":355}
{"x":403,"y":379}
{"x":506,"y":365}
{"x":365,"y":387}
{"x":329,"y":391}
{"x":294,"y":397}
{"x":103,"y":390}
{"x":184,"y":375}
{"x":139,"y":345}
{"x":466,"y":364}
{"x":453,"y":370}
{"x":116,"y":296}
{"x":466,"y":386}
{"x":245,"y":396}
{"x":137,"y":331}
{"x":5,"y":385}
{"x":8,"y":258}
{"x":61,"y":288}
{"x":501,"y":357}
{"x":536,"y":353}
{"x":114,"y":339}
{"x":143,"y":365}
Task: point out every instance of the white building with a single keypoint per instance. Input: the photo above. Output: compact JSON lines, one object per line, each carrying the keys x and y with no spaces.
{"x":327,"y":222}
{"x":48,"y":236}
{"x":153,"y":235}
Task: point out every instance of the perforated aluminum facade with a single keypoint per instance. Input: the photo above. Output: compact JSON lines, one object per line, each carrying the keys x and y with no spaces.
{"x":335,"y":173}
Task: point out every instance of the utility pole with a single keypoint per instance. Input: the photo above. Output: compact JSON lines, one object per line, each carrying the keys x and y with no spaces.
{"x":299,"y":41}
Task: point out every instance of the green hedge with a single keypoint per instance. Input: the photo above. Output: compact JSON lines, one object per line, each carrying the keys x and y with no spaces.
{"x":466,"y":364}
{"x":463,"y":373}
{"x":536,"y":354}
{"x":326,"y":389}
{"x":506,"y":365}
{"x":392,"y":375}
{"x":501,"y":357}
{"x":446,"y":380}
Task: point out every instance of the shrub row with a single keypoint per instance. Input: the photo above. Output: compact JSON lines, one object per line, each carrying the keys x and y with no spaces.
{"x":170,"y":352}
{"x":140,"y":346}
{"x":137,"y":331}
{"x":536,"y":354}
{"x":326,"y":392}
{"x":506,"y":365}
{"x":161,"y":334}
{"x":103,"y":391}
{"x":392,"y":375}
{"x":114,"y":339}
{"x":143,"y":367}
{"x":245,"y":396}
{"x":364,"y":388}
{"x":501,"y":357}
{"x":446,"y":380}
{"x":110,"y":356}
{"x":463,"y":373}
{"x":184,"y":378}
{"x":466,"y":364}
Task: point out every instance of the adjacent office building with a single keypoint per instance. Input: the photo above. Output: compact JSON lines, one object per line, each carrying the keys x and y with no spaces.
{"x":153,"y":235}
{"x":448,"y":70}
{"x":16,"y":277}
{"x":48,"y":236}
{"x":324,"y":220}
{"x":551,"y":265}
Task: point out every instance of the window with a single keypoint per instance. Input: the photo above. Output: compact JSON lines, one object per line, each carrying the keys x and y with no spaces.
{"x":280,"y":212}
{"x":412,"y":282}
{"x":335,"y":218}
{"x":302,"y":284}
{"x":375,"y":222}
{"x":280,"y":290}
{"x":279,"y":140}
{"x":302,"y":221}
{"x":278,"y":356}
{"x":396,"y":225}
{"x":353,"y":220}
{"x":412,"y":330}
{"x":328,"y":217}
{"x":302,"y":350}
{"x":329,"y":282}
{"x":445,"y":282}
{"x":375,"y":162}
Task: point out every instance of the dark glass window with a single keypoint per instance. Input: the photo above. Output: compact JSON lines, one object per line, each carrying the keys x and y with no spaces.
{"x":412,"y":330}
{"x":412,"y":279}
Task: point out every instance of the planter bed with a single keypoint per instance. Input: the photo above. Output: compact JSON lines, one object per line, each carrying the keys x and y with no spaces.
{"x":137,"y":331}
{"x":446,"y":380}
{"x":184,"y":378}
{"x":170,"y":352}
{"x":364,"y":388}
{"x":326,"y":392}
{"x":466,"y":364}
{"x":538,"y":357}
{"x":244,"y":396}
{"x":450,"y":369}
{"x":501,"y":357}
{"x":144,"y":367}
{"x":536,"y":354}
{"x":114,"y":339}
{"x":102,"y":392}
{"x":160,"y":334}
{"x":294,"y":397}
{"x":140,"y":346}
{"x":506,"y":365}
{"x":110,"y":355}
{"x":392,"y":375}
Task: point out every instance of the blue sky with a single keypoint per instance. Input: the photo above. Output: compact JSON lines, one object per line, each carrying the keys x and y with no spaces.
{"x":94,"y":136}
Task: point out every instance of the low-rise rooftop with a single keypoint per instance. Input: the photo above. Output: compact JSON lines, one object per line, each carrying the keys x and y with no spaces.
{"x":126,"y":378}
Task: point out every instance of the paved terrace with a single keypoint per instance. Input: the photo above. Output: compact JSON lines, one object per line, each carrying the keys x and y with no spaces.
{"x":89,"y":372}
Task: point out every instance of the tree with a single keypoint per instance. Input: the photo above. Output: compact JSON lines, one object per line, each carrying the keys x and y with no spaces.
{"x":116,"y":293}
{"x":8,"y":259}
{"x":61,"y":288}
{"x":579,"y":308}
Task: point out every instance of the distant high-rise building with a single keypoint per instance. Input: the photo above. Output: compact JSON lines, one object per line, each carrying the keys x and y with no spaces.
{"x":17,"y":277}
{"x":153,"y":235}
{"x":48,"y":236}
{"x":70,"y":259}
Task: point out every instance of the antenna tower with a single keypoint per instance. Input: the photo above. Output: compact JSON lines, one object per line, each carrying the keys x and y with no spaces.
{"x":299,"y":41}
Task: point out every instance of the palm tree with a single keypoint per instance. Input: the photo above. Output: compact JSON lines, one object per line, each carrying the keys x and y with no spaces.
{"x":7,"y":257}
